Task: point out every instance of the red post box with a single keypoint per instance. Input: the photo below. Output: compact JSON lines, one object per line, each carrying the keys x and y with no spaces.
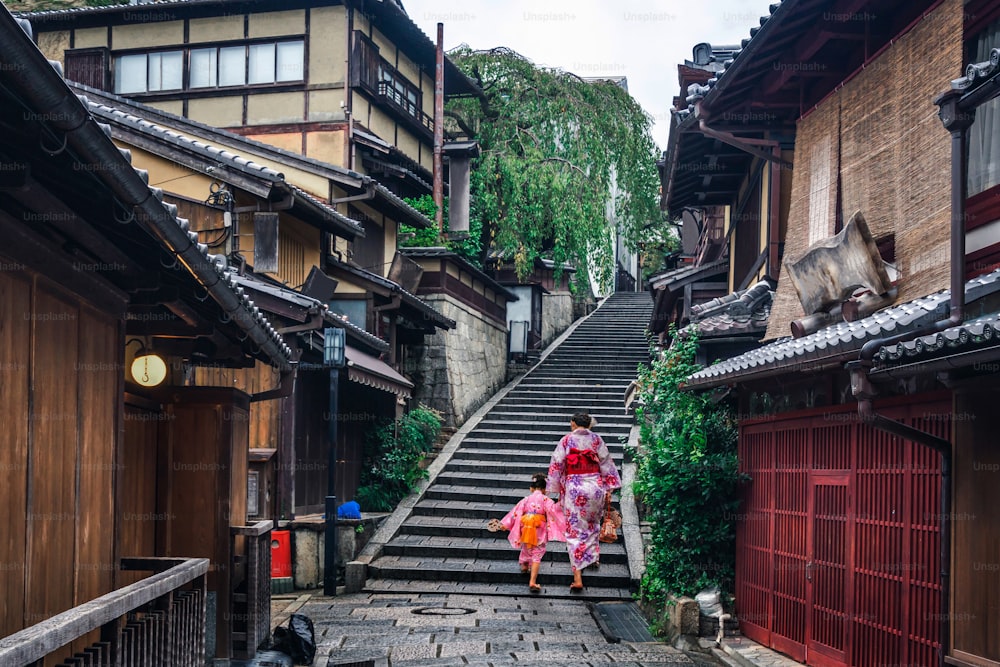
{"x":281,"y":554}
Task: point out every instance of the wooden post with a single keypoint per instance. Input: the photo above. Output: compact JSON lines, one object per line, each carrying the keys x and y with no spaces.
{"x":439,"y":130}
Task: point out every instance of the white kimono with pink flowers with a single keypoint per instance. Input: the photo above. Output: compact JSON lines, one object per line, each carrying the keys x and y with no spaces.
{"x":582,"y":496}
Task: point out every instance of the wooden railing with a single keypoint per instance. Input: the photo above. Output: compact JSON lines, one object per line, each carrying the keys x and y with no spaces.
{"x":251,"y":599}
{"x":159,"y":620}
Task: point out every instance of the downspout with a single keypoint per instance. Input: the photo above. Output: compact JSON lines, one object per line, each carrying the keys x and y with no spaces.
{"x":438,"y":185}
{"x":957,"y":121}
{"x":48,"y":92}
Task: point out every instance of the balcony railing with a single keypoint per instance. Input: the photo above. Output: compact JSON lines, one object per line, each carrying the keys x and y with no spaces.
{"x":159,"y":620}
{"x":395,"y":98}
{"x":251,"y":600}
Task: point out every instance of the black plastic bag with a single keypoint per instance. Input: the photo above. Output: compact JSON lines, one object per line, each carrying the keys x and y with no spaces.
{"x":297,"y":640}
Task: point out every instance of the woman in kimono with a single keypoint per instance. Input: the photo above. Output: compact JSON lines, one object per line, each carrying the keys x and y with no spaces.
{"x":532,"y":523}
{"x":582,"y":473}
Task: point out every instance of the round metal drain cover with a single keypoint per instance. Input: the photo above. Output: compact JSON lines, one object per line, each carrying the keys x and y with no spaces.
{"x":443,"y":611}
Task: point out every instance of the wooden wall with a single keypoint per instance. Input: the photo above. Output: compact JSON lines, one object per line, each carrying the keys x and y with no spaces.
{"x":975,"y":603}
{"x":265,"y":416}
{"x":61,"y":384}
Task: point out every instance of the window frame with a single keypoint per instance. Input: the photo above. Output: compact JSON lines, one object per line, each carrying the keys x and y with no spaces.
{"x":216,"y":63}
{"x":145,"y":55}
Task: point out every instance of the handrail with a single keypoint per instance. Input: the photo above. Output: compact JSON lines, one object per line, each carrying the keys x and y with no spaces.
{"x":39,"y":640}
{"x":256,"y":530}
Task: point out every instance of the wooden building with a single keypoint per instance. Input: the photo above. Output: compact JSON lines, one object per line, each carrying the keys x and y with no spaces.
{"x":348,"y":83}
{"x":107,"y":470}
{"x":276,"y":237}
{"x":863,"y":431}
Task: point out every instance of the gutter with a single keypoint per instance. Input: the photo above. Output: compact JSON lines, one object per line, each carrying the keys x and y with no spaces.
{"x":40,"y":83}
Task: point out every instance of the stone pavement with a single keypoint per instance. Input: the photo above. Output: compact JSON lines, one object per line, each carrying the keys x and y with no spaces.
{"x":403,"y":630}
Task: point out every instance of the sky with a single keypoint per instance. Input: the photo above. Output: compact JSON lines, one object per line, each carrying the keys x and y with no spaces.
{"x":643,"y":40}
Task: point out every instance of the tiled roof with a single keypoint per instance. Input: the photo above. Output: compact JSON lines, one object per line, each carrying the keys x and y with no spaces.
{"x":308,"y":303}
{"x":220,"y":156}
{"x":437,"y":251}
{"x":739,"y":57}
{"x":841,"y":341}
{"x":412,"y":299}
{"x":741,"y":313}
{"x":346,"y":178}
{"x":980,"y":333}
{"x":678,"y":277}
{"x":206,"y":268}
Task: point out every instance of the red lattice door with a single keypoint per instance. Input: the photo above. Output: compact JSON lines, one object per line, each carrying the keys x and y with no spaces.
{"x":827,"y":567}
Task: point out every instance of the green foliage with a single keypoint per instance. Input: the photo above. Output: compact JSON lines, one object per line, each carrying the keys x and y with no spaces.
{"x":469,"y":248}
{"x":559,"y":156}
{"x":686,"y":479}
{"x":391,"y":467}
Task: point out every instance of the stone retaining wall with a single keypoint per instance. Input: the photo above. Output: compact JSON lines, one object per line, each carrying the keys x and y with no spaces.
{"x":457,"y":370}
{"x":557,"y":315}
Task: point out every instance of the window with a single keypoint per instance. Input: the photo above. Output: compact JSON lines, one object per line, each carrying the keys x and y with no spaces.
{"x":290,"y":61}
{"x":204,"y":68}
{"x":232,"y":66}
{"x":149,"y":72}
{"x":372,"y":72}
{"x":984,"y":135}
{"x":261,"y":63}
{"x":211,"y":67}
{"x":89,"y":67}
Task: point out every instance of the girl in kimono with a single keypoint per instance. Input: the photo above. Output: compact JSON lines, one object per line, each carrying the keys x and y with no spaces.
{"x":582,"y":473}
{"x":534,"y":521}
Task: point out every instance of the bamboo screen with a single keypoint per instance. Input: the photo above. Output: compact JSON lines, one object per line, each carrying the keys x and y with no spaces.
{"x":894,"y":159}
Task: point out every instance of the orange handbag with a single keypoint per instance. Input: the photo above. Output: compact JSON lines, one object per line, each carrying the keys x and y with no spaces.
{"x":610,"y":524}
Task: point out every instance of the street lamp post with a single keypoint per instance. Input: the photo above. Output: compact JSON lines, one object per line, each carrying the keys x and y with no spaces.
{"x":333,"y":358}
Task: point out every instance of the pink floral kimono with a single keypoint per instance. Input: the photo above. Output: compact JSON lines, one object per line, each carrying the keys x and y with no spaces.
{"x":582,"y":473}
{"x":534,"y":521}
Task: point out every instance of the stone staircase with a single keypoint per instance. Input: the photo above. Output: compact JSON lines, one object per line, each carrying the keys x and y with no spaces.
{"x":443,"y":545}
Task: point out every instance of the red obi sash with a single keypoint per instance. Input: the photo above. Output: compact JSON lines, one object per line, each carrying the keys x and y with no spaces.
{"x":582,"y":462}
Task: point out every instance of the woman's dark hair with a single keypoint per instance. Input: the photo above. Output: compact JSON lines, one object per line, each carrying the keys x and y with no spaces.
{"x":581,"y":419}
{"x":539,"y":480}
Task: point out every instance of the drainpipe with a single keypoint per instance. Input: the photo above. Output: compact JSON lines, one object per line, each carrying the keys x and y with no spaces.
{"x":438,"y":185}
{"x":956,"y":120}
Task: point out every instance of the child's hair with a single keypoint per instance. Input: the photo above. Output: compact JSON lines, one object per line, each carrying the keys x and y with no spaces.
{"x":538,"y":481}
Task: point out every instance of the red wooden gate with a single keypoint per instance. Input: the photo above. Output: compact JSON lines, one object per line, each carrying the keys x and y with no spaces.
{"x":838,"y":549}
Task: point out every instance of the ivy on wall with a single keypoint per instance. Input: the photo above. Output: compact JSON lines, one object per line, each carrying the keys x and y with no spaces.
{"x":686,"y":478}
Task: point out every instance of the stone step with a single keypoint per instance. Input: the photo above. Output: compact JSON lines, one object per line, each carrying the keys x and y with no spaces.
{"x":507,"y":496}
{"x":511,"y":480}
{"x":624,"y":371}
{"x":569,"y":391}
{"x":615,"y":446}
{"x":443,"y":546}
{"x":456,"y":569}
{"x":535,"y":431}
{"x":513,"y":414}
{"x":582,"y":383}
{"x":523,"y":470}
{"x":534,"y":401}
{"x":550,"y":590}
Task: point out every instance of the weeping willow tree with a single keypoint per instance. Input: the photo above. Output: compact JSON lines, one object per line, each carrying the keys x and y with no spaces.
{"x":563,"y":162}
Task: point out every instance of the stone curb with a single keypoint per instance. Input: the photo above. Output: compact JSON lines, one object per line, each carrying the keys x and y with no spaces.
{"x":357,"y":570}
{"x":630,"y":517}
{"x":748,"y":653}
